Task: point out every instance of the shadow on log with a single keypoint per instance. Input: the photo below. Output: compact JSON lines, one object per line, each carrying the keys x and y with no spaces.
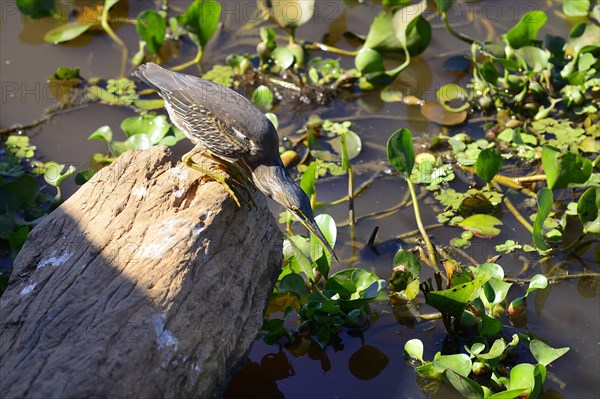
{"x":146,"y":283}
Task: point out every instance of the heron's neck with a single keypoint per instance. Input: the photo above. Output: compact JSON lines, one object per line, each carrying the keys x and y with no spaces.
{"x":275,"y":182}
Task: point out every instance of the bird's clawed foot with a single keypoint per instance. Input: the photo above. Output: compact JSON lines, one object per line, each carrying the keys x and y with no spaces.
{"x":224,"y":173}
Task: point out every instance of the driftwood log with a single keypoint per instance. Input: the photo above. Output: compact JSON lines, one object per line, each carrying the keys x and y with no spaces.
{"x":147,"y":283}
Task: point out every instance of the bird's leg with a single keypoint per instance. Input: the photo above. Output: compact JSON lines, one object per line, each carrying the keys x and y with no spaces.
{"x":239,"y":176}
{"x":219,"y":177}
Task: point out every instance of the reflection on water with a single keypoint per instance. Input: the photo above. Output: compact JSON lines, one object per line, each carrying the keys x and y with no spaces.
{"x":371,"y":364}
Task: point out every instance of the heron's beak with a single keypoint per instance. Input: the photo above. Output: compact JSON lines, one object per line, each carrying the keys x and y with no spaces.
{"x":312,"y":226}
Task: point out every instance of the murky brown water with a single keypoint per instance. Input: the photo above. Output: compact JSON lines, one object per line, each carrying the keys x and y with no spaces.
{"x":371,"y":365}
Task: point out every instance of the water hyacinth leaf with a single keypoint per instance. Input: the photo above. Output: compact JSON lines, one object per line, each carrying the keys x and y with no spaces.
{"x":497,"y":290}
{"x":489,"y":72}
{"x":408,"y":262}
{"x":36,"y":9}
{"x":18,"y":194}
{"x":201,"y":19}
{"x":533,"y":58}
{"x":292,"y":13}
{"x":329,"y":230}
{"x":588,"y":210}
{"x":544,"y":202}
{"x":414,"y":349}
{"x":262,"y":97}
{"x":584,"y":37}
{"x":508,"y":394}
{"x":284,"y":57}
{"x":54,"y":173}
{"x":307,"y":183}
{"x":368,"y":61}
{"x":453,"y":301}
{"x":450,"y":93}
{"x":103,"y":133}
{"x":381,"y":37}
{"x":400,"y":151}
{"x":488,"y":164}
{"x":495,"y":351}
{"x":155,"y":127}
{"x":564,"y":168}
{"x":273,"y":119}
{"x":576,"y":8}
{"x":526,"y":30}
{"x":66,"y":32}
{"x":466,"y":386}
{"x":481,"y":225}
{"x":139,"y":142}
{"x":435,"y":112}
{"x":459,"y":363}
{"x":293,"y":283}
{"x":522,"y":377}
{"x":538,"y":282}
{"x":353,"y":283}
{"x":403,"y":18}
{"x":545,"y":354}
{"x":151,"y":27}
{"x":390,"y":95}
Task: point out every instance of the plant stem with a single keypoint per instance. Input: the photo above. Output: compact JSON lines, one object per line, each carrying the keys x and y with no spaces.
{"x":359,"y":190}
{"x":116,"y":39}
{"x":530,"y":179}
{"x":428,"y":245}
{"x":195,"y":61}
{"x":415,"y":232}
{"x":454,"y":33}
{"x":554,"y":279}
{"x":330,"y":49}
{"x":517,"y":214}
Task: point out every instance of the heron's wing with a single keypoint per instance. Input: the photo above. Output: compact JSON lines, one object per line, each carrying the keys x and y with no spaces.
{"x":203,"y":126}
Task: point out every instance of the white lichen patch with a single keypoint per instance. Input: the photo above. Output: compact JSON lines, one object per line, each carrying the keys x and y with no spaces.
{"x":178,"y":192}
{"x":180,"y":172}
{"x":167,"y":343}
{"x":54,"y":260}
{"x":26,"y":290}
{"x":139,"y":192}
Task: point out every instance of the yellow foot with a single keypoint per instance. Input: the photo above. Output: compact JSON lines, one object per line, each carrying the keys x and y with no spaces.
{"x":222,"y":177}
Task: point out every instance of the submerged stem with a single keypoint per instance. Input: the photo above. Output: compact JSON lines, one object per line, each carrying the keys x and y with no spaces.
{"x":195,"y":61}
{"x":428,"y":245}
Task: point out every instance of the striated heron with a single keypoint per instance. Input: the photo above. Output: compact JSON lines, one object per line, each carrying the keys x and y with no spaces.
{"x":229,"y":129}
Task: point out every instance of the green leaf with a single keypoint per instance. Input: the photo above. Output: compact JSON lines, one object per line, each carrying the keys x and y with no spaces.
{"x":481,"y":225}
{"x":545,"y":354}
{"x":400,"y":151}
{"x":307,"y":183}
{"x":495,"y":351}
{"x":202,"y":19}
{"x":545,"y":200}
{"x":538,"y":282}
{"x":521,"y":377}
{"x":18,"y":194}
{"x":84,"y":176}
{"x":588,"y":209}
{"x":353,"y":283}
{"x":292,"y":13}
{"x":36,"y":8}
{"x":328,"y":228}
{"x":499,"y":289}
{"x":403,"y":18}
{"x":293,"y":283}
{"x":508,"y":394}
{"x":66,"y":32}
{"x":526,"y":30}
{"x":576,"y":8}
{"x":489,"y":163}
{"x":533,"y":58}
{"x":262,"y":97}
{"x":584,"y":37}
{"x":408,"y":262}
{"x":454,"y":300}
{"x":564,"y":168}
{"x":368,"y":61}
{"x":151,"y":27}
{"x":103,"y":133}
{"x":466,"y":386}
{"x":414,"y":349}
{"x":53,"y":174}
{"x":284,"y":57}
{"x":153,"y":126}
{"x":459,"y":363}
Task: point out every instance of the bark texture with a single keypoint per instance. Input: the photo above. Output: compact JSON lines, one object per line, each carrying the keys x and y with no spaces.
{"x":147,"y":283}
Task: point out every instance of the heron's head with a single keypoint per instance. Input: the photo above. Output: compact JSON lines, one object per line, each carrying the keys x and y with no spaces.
{"x":275,"y":182}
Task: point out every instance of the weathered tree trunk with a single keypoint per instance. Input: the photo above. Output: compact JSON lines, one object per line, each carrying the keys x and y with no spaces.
{"x":146,"y":283}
